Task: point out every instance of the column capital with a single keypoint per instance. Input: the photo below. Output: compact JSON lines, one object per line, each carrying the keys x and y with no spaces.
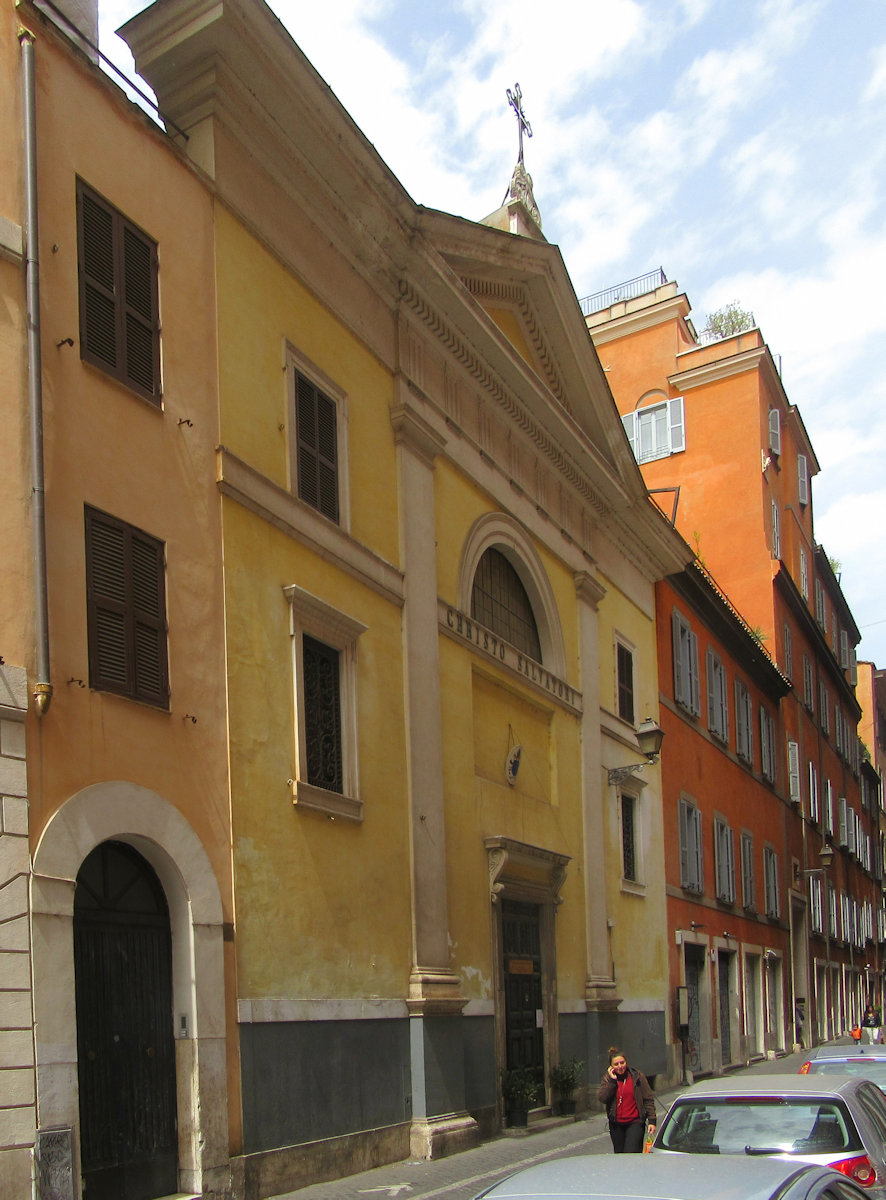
{"x":589,"y":589}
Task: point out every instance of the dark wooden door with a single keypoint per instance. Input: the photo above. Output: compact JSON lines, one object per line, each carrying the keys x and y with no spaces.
{"x":125,"y":1046}
{"x":521,"y":942}
{"x":724,"y":964}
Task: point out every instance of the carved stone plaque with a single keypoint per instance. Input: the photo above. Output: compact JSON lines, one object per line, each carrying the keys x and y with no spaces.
{"x":55,"y":1163}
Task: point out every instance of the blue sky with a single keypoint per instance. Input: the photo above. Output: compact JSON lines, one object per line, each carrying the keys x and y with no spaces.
{"x":740,"y":147}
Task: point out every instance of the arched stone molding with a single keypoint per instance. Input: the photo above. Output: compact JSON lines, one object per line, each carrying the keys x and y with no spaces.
{"x":127,"y":812}
{"x":503,"y":533}
{"x":653,"y":396}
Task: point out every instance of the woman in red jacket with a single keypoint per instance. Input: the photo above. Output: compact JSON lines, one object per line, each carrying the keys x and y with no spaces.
{"x":629,"y":1102}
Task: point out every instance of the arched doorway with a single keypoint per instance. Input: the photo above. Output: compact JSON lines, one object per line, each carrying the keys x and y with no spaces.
{"x":125,"y":1045}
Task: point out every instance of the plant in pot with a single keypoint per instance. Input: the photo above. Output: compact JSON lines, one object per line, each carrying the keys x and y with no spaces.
{"x":564,"y":1080}
{"x":520,"y":1090}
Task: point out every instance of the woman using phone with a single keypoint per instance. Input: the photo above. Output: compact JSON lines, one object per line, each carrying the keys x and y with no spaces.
{"x":630,"y":1103}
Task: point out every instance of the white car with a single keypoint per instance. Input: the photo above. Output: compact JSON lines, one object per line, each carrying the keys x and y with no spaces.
{"x":830,"y":1120}
{"x":669,"y":1177}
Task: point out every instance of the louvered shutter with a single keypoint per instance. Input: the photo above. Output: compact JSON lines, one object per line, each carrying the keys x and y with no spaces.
{"x":119,"y":308}
{"x":126,"y":610}
{"x":794,"y":771}
{"x":802,"y":479}
{"x":775,"y":431}
{"x":316,"y":420}
{"x":677,"y":426}
{"x":629,"y":421}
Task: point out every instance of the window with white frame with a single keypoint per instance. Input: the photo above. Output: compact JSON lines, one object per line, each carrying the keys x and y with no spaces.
{"x":833,"y":913}
{"x":838,"y":730}
{"x":744,"y":722}
{"x":808,"y":684}
{"x":794,"y":772}
{"x":821,"y":606}
{"x":843,"y":827}
{"x":324,"y":655}
{"x":804,"y":573}
{"x":814,"y":810}
{"x":724,"y":862}
{"x":770,"y":878}
{"x":835,"y":633}
{"x":748,"y":883}
{"x":828,"y":808}
{"x":844,"y":649}
{"x":788,"y":655}
{"x":691,"y":854}
{"x":317,"y":438}
{"x":624,"y":676}
{"x":718,"y":697}
{"x":687,"y":691}
{"x":776,"y":530}
{"x":768,"y":753}
{"x":656,"y":430}
{"x":802,"y":478}
{"x":824,"y":708}
{"x":631,"y":866}
{"x":816,"y":915}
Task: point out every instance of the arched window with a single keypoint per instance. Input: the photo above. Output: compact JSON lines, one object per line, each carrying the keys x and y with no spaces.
{"x":500,"y":602}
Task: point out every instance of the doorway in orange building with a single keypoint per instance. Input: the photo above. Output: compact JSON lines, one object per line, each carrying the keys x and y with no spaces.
{"x":724,"y":971}
{"x":524,"y":1002}
{"x":125,"y":1046}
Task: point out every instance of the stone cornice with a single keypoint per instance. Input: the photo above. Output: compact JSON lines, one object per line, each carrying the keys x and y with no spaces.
{"x":722,"y":368}
{"x":628,"y":323}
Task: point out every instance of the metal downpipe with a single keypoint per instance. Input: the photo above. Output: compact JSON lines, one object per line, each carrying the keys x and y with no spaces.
{"x":43,"y":686}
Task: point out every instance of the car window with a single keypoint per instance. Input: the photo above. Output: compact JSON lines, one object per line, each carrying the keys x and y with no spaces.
{"x":861,"y":1068}
{"x":840,"y":1189}
{"x":762,"y":1124}
{"x":872,"y":1100}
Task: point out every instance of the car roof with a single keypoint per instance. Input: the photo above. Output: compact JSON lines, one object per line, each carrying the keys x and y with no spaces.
{"x":853,"y":1051}
{"x":652,"y":1177}
{"x":773,"y":1085}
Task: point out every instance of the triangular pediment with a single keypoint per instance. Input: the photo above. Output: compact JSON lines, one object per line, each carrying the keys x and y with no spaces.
{"x":524,"y":290}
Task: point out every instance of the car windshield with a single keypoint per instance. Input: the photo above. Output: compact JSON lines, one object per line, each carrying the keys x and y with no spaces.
{"x":759,"y":1125}
{"x":864,"y":1068}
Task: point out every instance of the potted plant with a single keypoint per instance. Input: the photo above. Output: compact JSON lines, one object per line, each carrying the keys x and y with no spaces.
{"x":519,"y":1088}
{"x":564,"y":1080}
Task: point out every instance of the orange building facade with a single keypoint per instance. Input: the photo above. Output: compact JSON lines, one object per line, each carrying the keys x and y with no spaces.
{"x":726,"y":455}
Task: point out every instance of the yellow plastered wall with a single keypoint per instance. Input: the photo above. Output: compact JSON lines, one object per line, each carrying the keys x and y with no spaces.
{"x":481,"y":704}
{"x":323,"y":905}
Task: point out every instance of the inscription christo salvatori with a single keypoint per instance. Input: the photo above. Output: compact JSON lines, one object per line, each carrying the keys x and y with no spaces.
{"x":461,"y":626}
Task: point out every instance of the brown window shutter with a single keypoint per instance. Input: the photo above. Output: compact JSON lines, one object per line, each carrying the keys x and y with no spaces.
{"x":119,"y":299}
{"x":126,"y":610}
{"x":317,"y":448}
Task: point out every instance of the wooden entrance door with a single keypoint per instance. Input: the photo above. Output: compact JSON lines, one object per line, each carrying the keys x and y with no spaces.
{"x":125,"y":1048}
{"x":521,"y":944}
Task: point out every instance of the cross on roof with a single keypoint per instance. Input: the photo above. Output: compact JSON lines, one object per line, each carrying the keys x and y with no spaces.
{"x":515,"y":99}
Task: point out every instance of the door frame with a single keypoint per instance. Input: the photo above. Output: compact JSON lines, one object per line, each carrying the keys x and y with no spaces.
{"x":126,"y":812}
{"x":532,"y":875}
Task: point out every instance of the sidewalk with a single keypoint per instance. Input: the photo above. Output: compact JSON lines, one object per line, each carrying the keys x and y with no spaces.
{"x":461,"y":1176}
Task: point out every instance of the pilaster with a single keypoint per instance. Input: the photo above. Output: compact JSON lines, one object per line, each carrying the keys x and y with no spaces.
{"x":18,"y":1083}
{"x":600,"y":990}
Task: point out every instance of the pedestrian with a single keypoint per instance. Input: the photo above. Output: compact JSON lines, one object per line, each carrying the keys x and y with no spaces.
{"x":870,"y":1025}
{"x":630,"y":1103}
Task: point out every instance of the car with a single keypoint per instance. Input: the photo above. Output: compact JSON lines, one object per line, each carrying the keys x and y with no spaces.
{"x":830,"y":1120}
{"x":669,"y":1177}
{"x":865,"y":1061}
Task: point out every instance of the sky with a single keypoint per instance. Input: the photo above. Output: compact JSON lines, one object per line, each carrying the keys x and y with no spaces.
{"x":741,"y":147}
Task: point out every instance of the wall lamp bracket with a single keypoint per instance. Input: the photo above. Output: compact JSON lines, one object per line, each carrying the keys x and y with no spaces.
{"x":650,"y":736}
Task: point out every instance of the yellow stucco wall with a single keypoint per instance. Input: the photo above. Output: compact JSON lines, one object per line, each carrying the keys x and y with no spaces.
{"x":323,"y":905}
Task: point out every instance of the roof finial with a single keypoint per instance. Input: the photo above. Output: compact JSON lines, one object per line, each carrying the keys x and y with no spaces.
{"x":515,"y":99}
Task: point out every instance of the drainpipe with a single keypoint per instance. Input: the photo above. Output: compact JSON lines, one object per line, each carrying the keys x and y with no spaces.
{"x":43,"y":686}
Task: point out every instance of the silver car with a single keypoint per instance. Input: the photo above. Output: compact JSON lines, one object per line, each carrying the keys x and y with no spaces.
{"x":865,"y":1061}
{"x":830,"y":1120}
{"x":667,"y":1177}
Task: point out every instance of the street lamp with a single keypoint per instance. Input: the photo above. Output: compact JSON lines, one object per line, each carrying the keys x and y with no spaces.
{"x":650,"y":736}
